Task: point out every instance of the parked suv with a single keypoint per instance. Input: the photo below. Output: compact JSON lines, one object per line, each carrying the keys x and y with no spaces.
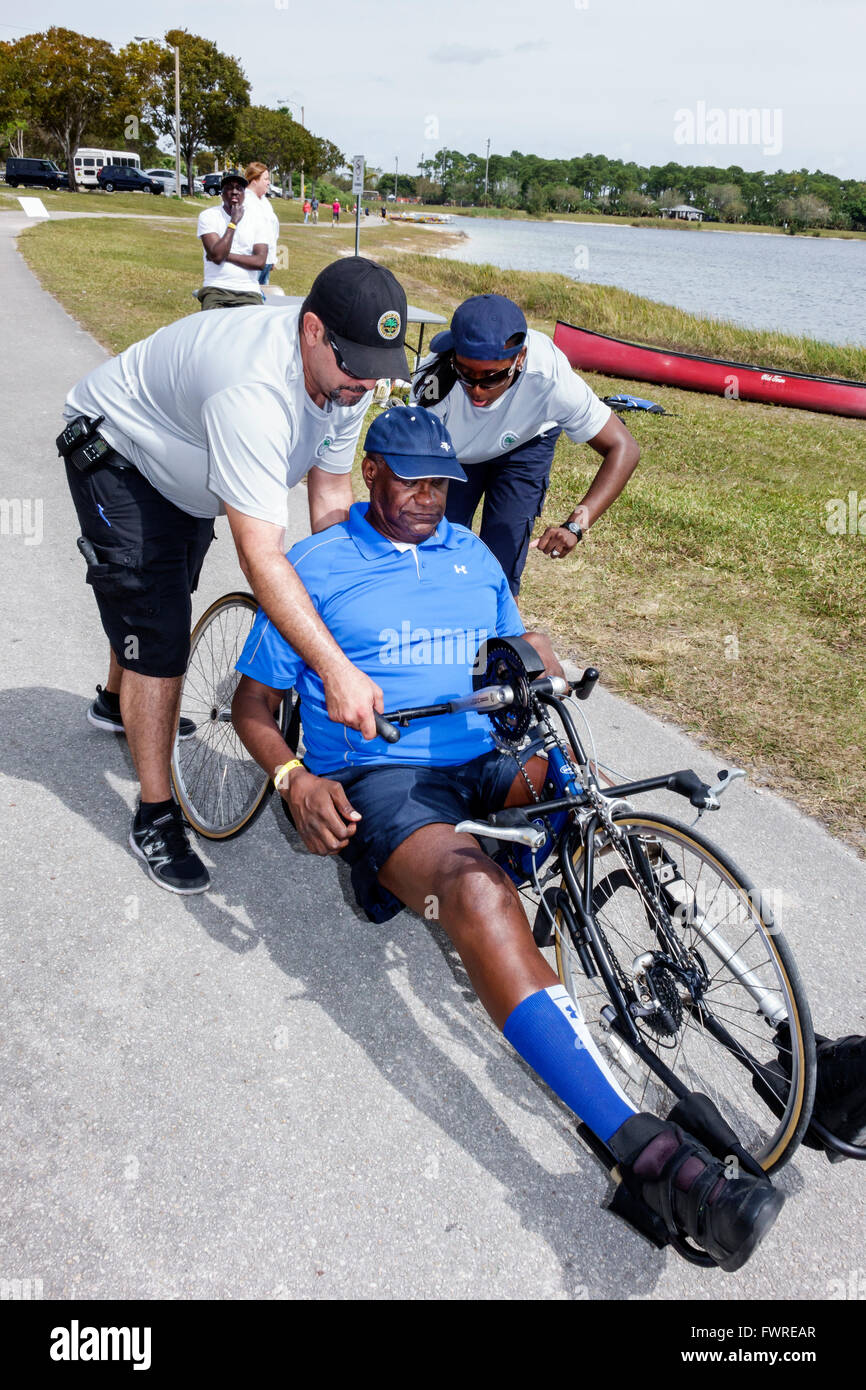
{"x":35,"y":173}
{"x":169,"y":181}
{"x":212,"y":184}
{"x":124,"y":176}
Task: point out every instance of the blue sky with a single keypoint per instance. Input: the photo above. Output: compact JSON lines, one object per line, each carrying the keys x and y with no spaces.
{"x":399,"y":78}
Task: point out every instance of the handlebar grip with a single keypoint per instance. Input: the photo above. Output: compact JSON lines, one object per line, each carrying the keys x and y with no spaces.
{"x":389,"y":732}
{"x":583,"y":688}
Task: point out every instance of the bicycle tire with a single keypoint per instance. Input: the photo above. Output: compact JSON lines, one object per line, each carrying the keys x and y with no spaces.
{"x":220,"y":787}
{"x":695,"y":880}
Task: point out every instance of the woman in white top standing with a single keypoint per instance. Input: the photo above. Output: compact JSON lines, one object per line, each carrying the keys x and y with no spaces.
{"x":258,"y":180}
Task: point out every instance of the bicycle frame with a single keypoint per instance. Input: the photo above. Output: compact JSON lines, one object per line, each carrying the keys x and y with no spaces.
{"x":574,"y":788}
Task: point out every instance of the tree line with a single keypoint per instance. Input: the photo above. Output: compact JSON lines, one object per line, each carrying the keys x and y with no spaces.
{"x":594,"y":183}
{"x":60,"y":90}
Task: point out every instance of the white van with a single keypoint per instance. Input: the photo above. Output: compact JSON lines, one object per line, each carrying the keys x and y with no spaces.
{"x":88,"y":163}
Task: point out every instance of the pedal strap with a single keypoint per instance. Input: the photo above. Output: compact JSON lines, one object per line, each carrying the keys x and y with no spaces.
{"x":697,"y":1198}
{"x":663,"y":1185}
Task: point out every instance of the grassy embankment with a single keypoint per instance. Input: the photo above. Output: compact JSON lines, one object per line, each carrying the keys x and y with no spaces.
{"x":123,"y":279}
{"x":712,"y":593}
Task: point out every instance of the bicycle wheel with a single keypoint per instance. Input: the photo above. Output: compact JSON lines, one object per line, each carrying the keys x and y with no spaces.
{"x":680,"y":919}
{"x":219,"y":786}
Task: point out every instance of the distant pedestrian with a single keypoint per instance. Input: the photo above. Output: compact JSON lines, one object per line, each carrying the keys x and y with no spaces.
{"x":306,"y":210}
{"x":235,"y":248}
{"x":383,"y":213}
{"x":256,"y":200}
{"x":314,"y":209}
{"x":335,"y":208}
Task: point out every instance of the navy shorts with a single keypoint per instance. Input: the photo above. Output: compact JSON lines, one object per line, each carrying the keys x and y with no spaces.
{"x":150,"y":555}
{"x":514,"y":486}
{"x":396,"y":801}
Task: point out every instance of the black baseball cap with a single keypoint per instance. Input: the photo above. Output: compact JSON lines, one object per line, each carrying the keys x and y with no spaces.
{"x":232,"y":176}
{"x":363,"y":306}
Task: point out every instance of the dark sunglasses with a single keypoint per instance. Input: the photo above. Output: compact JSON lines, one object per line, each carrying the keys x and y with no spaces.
{"x":340,"y":363}
{"x":486,"y":381}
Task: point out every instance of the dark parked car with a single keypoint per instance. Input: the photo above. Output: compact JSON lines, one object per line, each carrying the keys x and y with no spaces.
{"x":35,"y":173}
{"x":212,"y":184}
{"x":124,"y":176}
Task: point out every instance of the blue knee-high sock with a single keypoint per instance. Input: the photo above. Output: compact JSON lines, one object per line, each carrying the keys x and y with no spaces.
{"x":550,"y":1033}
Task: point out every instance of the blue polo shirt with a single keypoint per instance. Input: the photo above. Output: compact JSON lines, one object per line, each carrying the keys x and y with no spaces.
{"x":411,"y":619}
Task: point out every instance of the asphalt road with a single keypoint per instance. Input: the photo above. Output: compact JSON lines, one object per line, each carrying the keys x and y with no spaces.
{"x":258,"y":1094}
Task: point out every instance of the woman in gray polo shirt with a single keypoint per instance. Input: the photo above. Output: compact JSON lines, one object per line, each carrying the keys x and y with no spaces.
{"x":505,"y":393}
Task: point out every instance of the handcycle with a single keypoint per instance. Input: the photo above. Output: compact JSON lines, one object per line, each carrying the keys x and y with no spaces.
{"x":669,"y":952}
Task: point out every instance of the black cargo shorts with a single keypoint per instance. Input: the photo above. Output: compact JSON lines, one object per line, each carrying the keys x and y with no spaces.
{"x":149,"y":555}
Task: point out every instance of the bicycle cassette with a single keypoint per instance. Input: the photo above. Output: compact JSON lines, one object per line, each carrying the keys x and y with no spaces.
{"x":509,"y":661}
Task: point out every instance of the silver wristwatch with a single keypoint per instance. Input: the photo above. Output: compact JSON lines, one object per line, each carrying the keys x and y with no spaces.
{"x":575,"y":530}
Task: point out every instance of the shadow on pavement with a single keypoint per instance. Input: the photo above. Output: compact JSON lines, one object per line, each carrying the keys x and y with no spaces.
{"x":372,"y":983}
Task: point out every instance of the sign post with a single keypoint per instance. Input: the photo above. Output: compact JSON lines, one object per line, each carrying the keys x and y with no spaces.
{"x":358,"y":191}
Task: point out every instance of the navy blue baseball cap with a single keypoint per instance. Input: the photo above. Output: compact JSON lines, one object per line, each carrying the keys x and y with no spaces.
{"x":414,"y":443}
{"x":480,"y":328}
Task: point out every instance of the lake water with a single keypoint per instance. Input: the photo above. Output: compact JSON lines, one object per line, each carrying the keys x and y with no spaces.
{"x":811,"y":286}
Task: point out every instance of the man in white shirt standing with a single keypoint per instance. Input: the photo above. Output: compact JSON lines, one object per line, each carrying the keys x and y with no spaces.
{"x":258,"y":177}
{"x":220,"y":415}
{"x":505,"y":393}
{"x":235,"y":245}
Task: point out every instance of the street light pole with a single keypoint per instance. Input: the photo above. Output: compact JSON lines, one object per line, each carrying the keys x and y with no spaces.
{"x":144,"y":38}
{"x":177,"y":120}
{"x":286,"y":101}
{"x":486,"y":169}
{"x":396,"y":167}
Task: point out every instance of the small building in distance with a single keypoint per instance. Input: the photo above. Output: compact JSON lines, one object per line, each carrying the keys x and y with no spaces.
{"x":684,"y":213}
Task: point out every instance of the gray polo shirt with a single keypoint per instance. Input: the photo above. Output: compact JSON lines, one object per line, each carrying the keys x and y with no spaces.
{"x":213,"y":409}
{"x":547,"y":395}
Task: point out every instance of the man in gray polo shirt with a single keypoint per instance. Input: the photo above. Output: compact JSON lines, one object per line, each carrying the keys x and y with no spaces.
{"x":220,"y":413}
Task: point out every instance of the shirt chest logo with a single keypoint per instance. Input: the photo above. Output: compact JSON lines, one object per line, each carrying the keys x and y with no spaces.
{"x":460,"y":569}
{"x":324,"y":446}
{"x":507,"y":440}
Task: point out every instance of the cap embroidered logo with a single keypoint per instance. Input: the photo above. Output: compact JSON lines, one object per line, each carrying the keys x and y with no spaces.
{"x":389,"y":325}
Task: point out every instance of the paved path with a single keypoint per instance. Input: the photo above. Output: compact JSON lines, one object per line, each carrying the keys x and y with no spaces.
{"x":257,"y":1094}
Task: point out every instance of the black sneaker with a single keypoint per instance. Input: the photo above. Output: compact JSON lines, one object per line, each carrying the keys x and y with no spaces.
{"x":102,"y":716}
{"x":164,"y":846}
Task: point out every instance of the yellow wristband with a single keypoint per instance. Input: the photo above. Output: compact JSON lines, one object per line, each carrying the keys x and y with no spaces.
{"x":286,"y":767}
{"x":234,"y":226}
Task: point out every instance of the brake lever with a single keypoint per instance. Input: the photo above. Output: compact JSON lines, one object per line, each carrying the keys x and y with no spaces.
{"x":725,"y":778}
{"x":531,"y":837}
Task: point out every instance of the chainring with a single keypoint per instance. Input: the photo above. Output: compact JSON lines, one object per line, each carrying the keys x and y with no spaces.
{"x":504,"y":667}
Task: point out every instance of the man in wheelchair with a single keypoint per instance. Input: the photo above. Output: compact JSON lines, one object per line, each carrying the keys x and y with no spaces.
{"x":409,"y":597}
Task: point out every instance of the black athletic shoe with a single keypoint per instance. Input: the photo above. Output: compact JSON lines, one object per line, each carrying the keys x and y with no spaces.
{"x":164,"y":846}
{"x":727,"y":1217}
{"x":840,"y":1089}
{"x":102,"y":716}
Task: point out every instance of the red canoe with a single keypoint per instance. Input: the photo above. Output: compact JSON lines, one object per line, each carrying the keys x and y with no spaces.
{"x":595,"y":352}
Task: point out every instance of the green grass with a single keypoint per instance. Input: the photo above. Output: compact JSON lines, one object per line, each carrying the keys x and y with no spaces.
{"x":712,"y":592}
{"x":124,"y":279}
{"x":146,"y":204}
